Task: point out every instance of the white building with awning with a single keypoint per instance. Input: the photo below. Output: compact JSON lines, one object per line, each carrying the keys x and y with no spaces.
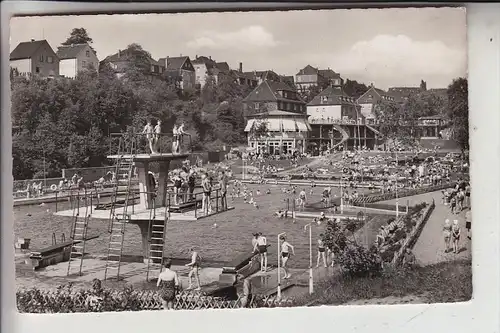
{"x":285,"y":132}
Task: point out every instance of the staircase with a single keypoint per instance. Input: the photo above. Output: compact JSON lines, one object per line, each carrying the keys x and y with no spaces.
{"x":78,"y":237}
{"x":127,"y":149}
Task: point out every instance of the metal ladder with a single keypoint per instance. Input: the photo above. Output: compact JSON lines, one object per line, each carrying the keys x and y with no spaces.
{"x":158,"y":233}
{"x":78,"y":234}
{"x":118,"y":221}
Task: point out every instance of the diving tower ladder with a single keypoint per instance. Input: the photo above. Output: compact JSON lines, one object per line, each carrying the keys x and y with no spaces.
{"x":156,"y":240}
{"x":78,"y":235}
{"x":118,"y":220}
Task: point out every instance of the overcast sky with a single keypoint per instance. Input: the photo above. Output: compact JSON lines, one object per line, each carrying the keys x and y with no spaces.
{"x":387,"y":47}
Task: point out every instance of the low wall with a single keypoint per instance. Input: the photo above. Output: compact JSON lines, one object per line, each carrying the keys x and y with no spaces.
{"x":413,"y":236}
{"x":371,"y":198}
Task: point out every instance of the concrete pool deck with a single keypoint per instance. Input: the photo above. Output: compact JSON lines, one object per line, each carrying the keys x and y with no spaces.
{"x":138,"y":213}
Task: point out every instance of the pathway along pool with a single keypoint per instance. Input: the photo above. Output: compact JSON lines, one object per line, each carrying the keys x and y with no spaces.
{"x":231,"y":237}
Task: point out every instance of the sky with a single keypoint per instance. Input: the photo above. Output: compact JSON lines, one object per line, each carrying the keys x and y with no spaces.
{"x":386,"y":47}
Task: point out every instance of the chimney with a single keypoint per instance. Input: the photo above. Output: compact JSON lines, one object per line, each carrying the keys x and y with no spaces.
{"x":210,"y":57}
{"x":195,"y":57}
{"x":241,"y":67}
{"x":119,"y":53}
{"x":32,"y":39}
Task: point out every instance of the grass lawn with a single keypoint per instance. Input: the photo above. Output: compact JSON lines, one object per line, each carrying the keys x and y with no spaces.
{"x":445,"y":282}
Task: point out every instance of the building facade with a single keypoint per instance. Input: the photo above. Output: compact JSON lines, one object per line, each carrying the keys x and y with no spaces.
{"x":310,"y":76}
{"x":35,"y":57}
{"x":370,"y":99}
{"x":285,"y":132}
{"x":181,"y":70}
{"x":283,"y":111}
{"x":76,"y":58}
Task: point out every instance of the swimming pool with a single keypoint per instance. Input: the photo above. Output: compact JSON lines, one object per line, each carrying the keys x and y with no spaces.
{"x":231,"y":236}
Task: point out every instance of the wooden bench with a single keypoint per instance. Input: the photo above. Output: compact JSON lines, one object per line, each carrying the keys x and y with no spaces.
{"x":54,"y":254}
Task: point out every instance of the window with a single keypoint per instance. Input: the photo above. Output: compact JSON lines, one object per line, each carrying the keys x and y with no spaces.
{"x":87,"y":53}
{"x":50,"y":60}
{"x":257,"y":105}
{"x":285,"y":105}
{"x":37,"y":69}
{"x":84,"y":63}
{"x":41,"y":57}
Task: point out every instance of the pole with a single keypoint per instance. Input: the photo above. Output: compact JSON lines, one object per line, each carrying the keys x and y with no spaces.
{"x":397,"y":199}
{"x":311,"y":282}
{"x":342,"y":191}
{"x":278,"y":290}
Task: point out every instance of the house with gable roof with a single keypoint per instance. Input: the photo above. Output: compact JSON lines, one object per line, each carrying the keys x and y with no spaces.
{"x":335,"y":120}
{"x":310,"y":76}
{"x":283,"y":111}
{"x":75,"y":58}
{"x":35,"y":57}
{"x":120,"y":61}
{"x":180,"y":69}
{"x":371,"y":98}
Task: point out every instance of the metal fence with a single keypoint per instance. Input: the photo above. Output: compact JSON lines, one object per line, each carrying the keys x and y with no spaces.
{"x":67,"y":301}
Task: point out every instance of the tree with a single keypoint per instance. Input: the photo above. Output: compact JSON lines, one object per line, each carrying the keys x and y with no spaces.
{"x":79,"y":36}
{"x":354,"y":88}
{"x":423,"y":85}
{"x":458,"y":112}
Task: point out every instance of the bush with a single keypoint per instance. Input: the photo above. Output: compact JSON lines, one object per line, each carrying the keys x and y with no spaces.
{"x":356,"y":261}
{"x":399,"y":234}
{"x":387,"y":255}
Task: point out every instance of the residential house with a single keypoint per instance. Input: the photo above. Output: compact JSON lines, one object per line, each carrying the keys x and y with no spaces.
{"x":75,"y":58}
{"x":267,"y":75}
{"x":284,"y":112}
{"x":403,"y":93}
{"x":310,"y":76}
{"x":181,"y":69}
{"x":121,"y":60}
{"x":272,"y":95}
{"x":335,"y":120}
{"x":204,"y":67}
{"x":35,"y":57}
{"x":370,"y":99}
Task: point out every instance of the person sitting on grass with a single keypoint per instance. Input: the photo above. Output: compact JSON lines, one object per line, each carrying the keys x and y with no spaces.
{"x":409,"y":260}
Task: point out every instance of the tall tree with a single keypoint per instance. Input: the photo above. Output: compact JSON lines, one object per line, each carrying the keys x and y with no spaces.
{"x":79,"y":36}
{"x":354,"y":88}
{"x":458,"y":111}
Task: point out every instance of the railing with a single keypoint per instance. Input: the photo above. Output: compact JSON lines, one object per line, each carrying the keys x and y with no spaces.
{"x":66,"y":300}
{"x":335,"y":121}
{"x":146,"y":143}
{"x":216,"y":202}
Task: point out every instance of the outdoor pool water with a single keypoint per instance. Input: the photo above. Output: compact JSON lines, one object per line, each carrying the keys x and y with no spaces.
{"x":231,"y":237}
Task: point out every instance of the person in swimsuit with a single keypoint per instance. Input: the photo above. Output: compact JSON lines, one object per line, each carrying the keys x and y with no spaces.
{"x":148,"y":130}
{"x":175,"y":139}
{"x":468,"y":220}
{"x":447,"y":235}
{"x":285,"y":255}
{"x":177,"y":189}
{"x":302,"y":199}
{"x":157,"y":133}
{"x":254,"y":243}
{"x":261,"y":247}
{"x":205,"y":205}
{"x":455,"y":234}
{"x":168,"y":282}
{"x":195,"y":266}
{"x":321,"y":251}
{"x":180,"y":135}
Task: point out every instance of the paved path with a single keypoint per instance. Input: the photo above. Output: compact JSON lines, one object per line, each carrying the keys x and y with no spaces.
{"x":429,"y":248}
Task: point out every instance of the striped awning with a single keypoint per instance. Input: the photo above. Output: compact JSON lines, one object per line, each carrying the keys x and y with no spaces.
{"x":282,"y":125}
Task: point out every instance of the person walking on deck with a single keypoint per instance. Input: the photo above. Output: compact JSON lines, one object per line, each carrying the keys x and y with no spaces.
{"x":321,"y":252}
{"x":455,"y":234}
{"x":168,"y":283}
{"x":447,"y":235}
{"x":195,"y":266}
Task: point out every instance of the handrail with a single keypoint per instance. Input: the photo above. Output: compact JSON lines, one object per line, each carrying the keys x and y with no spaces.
{"x":160,"y":142}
